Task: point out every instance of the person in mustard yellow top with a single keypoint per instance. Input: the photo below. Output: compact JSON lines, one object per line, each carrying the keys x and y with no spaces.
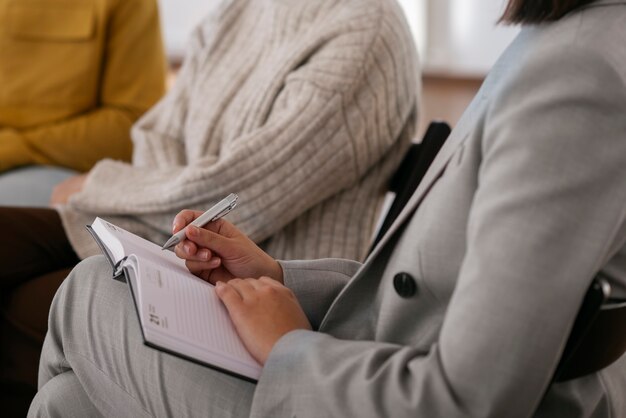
{"x":74,"y":76}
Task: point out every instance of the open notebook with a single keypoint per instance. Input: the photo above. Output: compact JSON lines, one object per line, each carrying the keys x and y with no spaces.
{"x":178,"y":312}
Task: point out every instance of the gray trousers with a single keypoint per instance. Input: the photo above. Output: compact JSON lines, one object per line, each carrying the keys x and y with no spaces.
{"x":94,"y":362}
{"x":31,"y":186}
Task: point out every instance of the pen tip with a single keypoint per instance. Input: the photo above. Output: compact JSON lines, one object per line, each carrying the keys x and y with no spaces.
{"x":169,"y":244}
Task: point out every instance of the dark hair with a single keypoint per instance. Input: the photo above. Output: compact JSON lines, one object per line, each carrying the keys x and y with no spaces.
{"x":537,"y":11}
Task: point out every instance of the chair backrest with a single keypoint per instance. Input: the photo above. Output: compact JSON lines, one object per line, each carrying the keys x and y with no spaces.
{"x":598,"y":337}
{"x":411,"y":171}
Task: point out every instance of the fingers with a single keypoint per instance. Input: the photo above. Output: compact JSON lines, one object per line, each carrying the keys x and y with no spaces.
{"x":234,"y":294}
{"x":199,"y":267}
{"x":215,"y":226}
{"x":231,"y":298}
{"x":245,"y":288}
{"x":188,"y":250}
{"x":223,"y":227}
{"x":208,"y":239}
{"x":248,"y":289}
{"x":184,"y":218}
{"x":187,"y":216}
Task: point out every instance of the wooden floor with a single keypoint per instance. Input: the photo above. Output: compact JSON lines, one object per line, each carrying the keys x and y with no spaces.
{"x":445,"y":99}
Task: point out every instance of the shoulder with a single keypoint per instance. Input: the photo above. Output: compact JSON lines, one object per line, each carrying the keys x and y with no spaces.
{"x":370,"y":34}
{"x":561,"y":86}
{"x":221,"y":17}
{"x":310,"y":18}
{"x":601,"y":28}
{"x":374,"y":18}
{"x":578,"y":61}
{"x":371,"y":43}
{"x":584,"y":46}
{"x":598,"y":31}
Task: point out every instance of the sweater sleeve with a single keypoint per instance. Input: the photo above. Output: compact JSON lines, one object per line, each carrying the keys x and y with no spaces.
{"x":133,"y":78}
{"x":337,"y":115}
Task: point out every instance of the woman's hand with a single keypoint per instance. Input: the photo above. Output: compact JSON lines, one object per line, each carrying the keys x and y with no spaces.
{"x":262,"y":311}
{"x":220,"y":252}
{"x":64,"y":190}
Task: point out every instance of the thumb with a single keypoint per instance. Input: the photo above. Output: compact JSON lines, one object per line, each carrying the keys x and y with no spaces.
{"x":184,"y":218}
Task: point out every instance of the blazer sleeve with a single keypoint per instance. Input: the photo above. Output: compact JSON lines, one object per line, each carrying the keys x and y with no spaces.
{"x":132,"y":80}
{"x":316,"y":283}
{"x":326,"y":128}
{"x":554,"y":164}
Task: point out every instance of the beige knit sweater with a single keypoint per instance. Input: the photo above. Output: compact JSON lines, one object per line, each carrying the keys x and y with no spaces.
{"x":302,"y":107}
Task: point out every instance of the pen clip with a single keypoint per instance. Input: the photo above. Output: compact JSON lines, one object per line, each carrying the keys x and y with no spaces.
{"x":225,"y":211}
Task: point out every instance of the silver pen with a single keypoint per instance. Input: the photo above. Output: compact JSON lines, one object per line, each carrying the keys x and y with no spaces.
{"x":220,"y":209}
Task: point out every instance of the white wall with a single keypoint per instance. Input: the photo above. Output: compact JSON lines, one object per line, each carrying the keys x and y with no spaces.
{"x":178,"y":18}
{"x":463,"y":36}
{"x":416,"y":15}
{"x":454,"y":37}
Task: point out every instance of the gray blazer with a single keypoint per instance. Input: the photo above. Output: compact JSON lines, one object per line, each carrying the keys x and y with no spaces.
{"x":464,"y":307}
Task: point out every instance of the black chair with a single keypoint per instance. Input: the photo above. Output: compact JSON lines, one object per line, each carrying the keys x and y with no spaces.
{"x":410,"y":172}
{"x":598,"y":337}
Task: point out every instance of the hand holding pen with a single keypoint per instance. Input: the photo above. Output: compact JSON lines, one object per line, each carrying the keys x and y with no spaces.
{"x":247,"y":280}
{"x":220,"y":252}
{"x":220,"y":209}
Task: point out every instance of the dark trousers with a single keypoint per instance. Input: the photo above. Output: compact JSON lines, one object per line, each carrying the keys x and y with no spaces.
{"x":35,"y":257}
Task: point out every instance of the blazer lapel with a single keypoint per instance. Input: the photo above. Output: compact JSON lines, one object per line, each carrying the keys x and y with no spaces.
{"x":375,"y":259}
{"x":458,"y":135}
{"x":456,"y":139}
{"x":434,"y":171}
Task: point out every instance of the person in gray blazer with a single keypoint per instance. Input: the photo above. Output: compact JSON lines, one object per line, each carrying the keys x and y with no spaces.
{"x":462,"y":309}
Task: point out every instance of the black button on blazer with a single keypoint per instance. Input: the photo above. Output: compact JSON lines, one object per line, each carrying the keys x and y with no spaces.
{"x":405,"y":285}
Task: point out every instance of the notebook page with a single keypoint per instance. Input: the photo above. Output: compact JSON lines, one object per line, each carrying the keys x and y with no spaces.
{"x":133,"y":244}
{"x":184,"y":314}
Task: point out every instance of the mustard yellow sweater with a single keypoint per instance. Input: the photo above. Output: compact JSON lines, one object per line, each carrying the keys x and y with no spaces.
{"x":74,"y":76}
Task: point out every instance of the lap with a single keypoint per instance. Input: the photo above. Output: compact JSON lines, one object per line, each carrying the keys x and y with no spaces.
{"x":63,"y":397}
{"x":31,"y":186}
{"x":94,"y":330}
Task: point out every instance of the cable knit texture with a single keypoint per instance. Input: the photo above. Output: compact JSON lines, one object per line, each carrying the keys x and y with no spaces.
{"x":304,"y":108}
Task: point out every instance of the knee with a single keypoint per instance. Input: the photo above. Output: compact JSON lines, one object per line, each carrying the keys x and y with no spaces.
{"x":85,"y":277}
{"x":92,"y":267}
{"x":62,"y":396}
{"x":79,"y":291}
{"x":43,"y":405}
{"x":88,"y":292}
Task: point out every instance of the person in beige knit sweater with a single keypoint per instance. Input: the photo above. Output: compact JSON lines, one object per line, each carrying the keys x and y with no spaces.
{"x":303,"y":108}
